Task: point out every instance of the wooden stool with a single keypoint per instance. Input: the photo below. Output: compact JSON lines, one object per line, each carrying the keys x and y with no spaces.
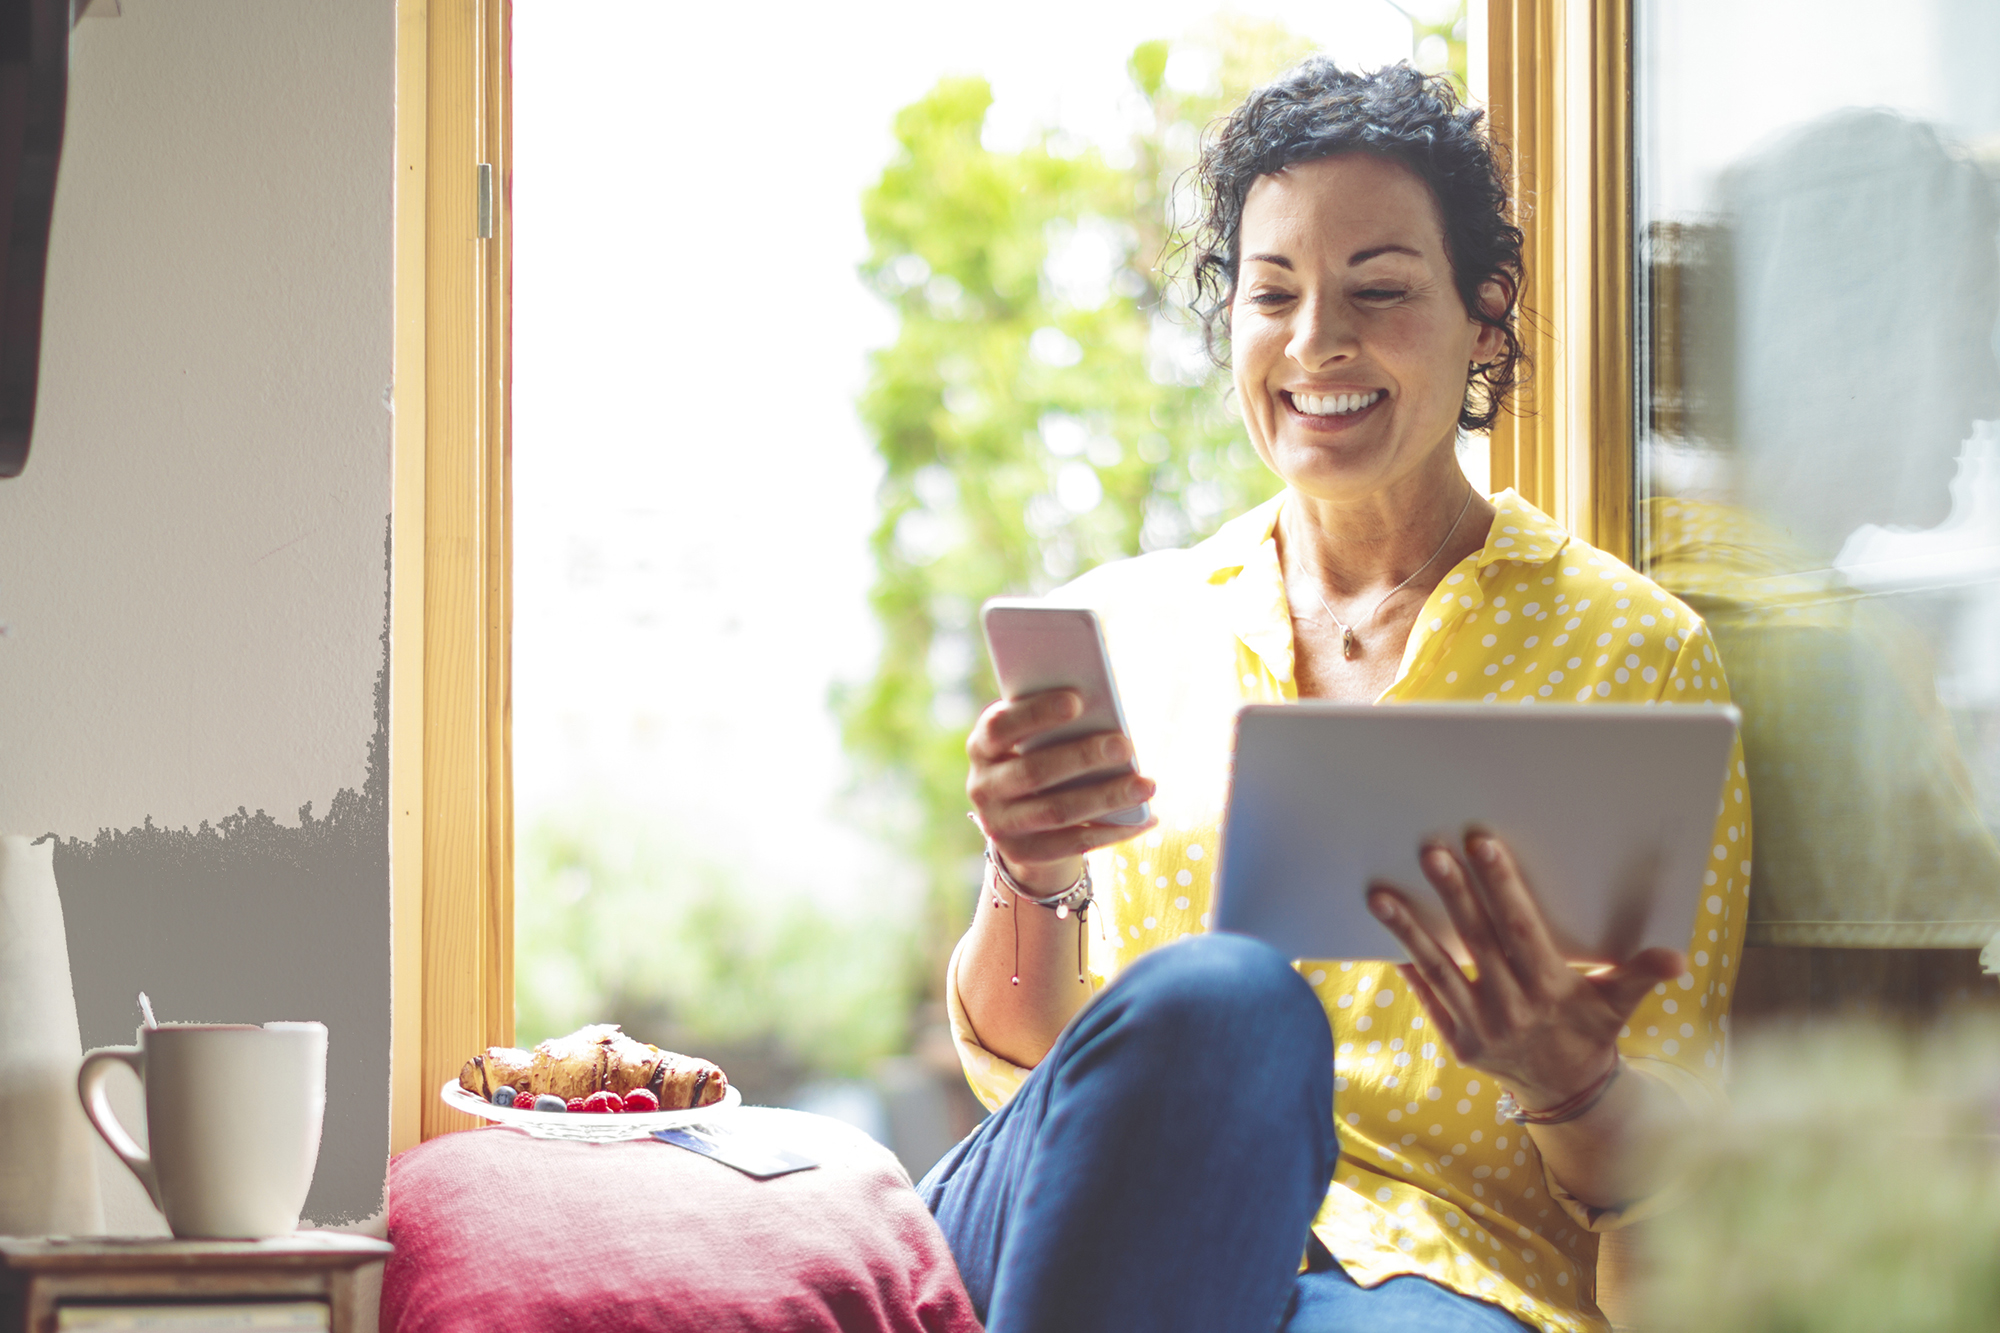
{"x":38,"y":1275}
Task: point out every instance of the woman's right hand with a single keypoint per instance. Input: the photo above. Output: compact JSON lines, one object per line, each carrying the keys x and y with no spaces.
{"x":1042,"y":834}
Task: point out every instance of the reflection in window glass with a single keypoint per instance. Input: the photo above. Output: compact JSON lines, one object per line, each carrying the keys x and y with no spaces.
{"x":1821,"y":456}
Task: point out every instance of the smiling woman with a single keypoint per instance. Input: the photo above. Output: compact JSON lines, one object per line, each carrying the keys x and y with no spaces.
{"x":1460,"y":192}
{"x":1350,"y":346}
{"x":1357,"y":256}
{"x":1350,"y":342}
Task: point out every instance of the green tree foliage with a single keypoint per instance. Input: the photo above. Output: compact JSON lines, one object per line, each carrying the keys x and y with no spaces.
{"x":620,"y":921}
{"x":1437,"y":32}
{"x":1042,"y":410}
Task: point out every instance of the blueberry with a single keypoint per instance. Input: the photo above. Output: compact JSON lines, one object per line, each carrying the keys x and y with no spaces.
{"x":549,"y":1102}
{"x":503,"y":1096}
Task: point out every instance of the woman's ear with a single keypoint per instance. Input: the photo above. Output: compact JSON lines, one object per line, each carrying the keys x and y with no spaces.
{"x":1490,"y":342}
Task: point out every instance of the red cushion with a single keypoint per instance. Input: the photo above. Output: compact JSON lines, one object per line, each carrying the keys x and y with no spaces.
{"x":498,"y":1231}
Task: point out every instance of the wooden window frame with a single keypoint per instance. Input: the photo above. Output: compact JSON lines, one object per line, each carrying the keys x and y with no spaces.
{"x":1556,"y":78}
{"x":450,"y":773}
{"x":1557,"y":82}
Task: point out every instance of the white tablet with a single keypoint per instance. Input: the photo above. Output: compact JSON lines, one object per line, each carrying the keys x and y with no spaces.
{"x":1610,"y":810}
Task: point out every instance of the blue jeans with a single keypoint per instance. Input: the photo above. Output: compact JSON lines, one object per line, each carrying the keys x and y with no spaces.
{"x":1161,"y":1168}
{"x":1327,"y":1300}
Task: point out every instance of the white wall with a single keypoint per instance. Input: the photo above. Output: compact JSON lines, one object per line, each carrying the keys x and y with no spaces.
{"x":192,"y":576}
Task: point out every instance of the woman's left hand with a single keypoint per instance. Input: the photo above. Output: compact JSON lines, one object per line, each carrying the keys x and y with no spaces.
{"x":1543,"y":1029}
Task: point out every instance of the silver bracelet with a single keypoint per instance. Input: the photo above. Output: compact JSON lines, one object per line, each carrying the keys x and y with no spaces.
{"x":1076,"y":898}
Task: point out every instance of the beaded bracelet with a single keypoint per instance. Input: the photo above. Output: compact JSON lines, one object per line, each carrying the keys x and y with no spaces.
{"x":1570,"y":1108}
{"x":1076,"y":898}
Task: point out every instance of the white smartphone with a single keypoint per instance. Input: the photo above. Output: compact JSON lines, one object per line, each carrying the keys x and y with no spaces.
{"x":1035,"y":647}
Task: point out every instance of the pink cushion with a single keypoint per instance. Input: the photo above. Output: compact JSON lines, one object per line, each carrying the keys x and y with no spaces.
{"x":497,"y":1231}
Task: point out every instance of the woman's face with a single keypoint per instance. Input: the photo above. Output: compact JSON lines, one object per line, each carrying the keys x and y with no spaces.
{"x":1348,"y":338}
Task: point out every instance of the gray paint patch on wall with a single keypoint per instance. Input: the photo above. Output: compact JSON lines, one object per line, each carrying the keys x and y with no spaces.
{"x":247,"y":921}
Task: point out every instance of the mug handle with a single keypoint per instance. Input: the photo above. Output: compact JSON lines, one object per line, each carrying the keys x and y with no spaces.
{"x":97,"y":1105}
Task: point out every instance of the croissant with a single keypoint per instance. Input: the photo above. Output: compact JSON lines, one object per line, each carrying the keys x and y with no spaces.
{"x":592,"y":1059}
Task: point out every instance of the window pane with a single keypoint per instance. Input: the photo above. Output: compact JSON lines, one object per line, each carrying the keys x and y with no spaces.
{"x":1820,"y":456}
{"x":703,"y":854}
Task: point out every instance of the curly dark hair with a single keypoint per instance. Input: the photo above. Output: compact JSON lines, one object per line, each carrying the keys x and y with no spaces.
{"x":1318,"y":110}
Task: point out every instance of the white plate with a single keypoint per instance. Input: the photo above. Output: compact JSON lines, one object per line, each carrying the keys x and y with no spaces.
{"x":583,"y":1126}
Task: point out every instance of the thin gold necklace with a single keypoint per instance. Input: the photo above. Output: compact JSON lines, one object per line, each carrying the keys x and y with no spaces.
{"x":1350,"y":645}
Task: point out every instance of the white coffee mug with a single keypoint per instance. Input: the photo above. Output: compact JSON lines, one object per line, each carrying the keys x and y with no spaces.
{"x":232,"y":1122}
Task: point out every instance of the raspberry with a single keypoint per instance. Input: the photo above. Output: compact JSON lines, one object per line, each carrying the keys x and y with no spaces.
{"x":640,"y":1101}
{"x":602,"y":1103}
{"x":575,"y":1104}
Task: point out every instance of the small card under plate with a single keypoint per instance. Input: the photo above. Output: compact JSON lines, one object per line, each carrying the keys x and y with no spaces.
{"x":753,"y":1155}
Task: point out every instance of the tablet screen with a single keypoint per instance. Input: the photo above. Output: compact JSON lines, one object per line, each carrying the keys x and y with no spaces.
{"x":1609,"y":810}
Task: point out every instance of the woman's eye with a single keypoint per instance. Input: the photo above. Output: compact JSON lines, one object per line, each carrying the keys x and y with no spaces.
{"x":1382,"y":294}
{"x":1269,"y":298}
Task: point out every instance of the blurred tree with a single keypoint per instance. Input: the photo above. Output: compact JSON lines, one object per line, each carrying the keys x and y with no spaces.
{"x":620,"y":921}
{"x":1437,"y":37}
{"x":1042,"y":410}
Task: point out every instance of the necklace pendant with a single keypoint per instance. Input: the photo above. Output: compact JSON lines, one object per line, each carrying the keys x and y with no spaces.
{"x":1349,"y":645}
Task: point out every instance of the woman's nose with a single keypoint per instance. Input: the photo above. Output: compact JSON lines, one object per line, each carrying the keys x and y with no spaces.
{"x":1322,"y":335}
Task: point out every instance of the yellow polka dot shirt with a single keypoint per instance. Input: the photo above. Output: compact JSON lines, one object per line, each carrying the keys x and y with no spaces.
{"x":1431,"y":1181}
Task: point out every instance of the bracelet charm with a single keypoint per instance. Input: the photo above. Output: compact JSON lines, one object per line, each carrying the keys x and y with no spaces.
{"x":1076,"y":898}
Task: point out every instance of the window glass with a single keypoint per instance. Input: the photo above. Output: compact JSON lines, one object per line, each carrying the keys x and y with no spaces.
{"x":1820,"y":457}
{"x":707,"y":604}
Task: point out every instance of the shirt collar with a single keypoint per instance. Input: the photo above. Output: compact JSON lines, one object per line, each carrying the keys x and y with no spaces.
{"x":1242,"y":558}
{"x":1520,"y":532}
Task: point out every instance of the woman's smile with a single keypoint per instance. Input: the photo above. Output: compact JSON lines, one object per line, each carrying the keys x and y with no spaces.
{"x":1331,"y":410}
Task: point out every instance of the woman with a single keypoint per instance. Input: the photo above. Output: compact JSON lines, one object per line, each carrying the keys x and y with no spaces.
{"x":1165,"y":1154}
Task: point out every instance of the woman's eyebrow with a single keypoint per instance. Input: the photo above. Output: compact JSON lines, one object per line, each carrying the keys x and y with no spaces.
{"x":1279,"y":260}
{"x":1362,"y":256}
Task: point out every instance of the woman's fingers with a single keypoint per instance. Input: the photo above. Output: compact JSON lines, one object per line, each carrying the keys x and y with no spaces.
{"x":1029,"y":774}
{"x":1515,"y":917}
{"x":1015,"y":792}
{"x":1001,"y":772}
{"x":1523,"y":1013}
{"x":1041,"y":809}
{"x":1450,"y":994}
{"x":1441,"y":1016}
{"x":1467,"y":910}
{"x":1625,"y":985}
{"x":1007,"y":723}
{"x":1062,"y":809}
